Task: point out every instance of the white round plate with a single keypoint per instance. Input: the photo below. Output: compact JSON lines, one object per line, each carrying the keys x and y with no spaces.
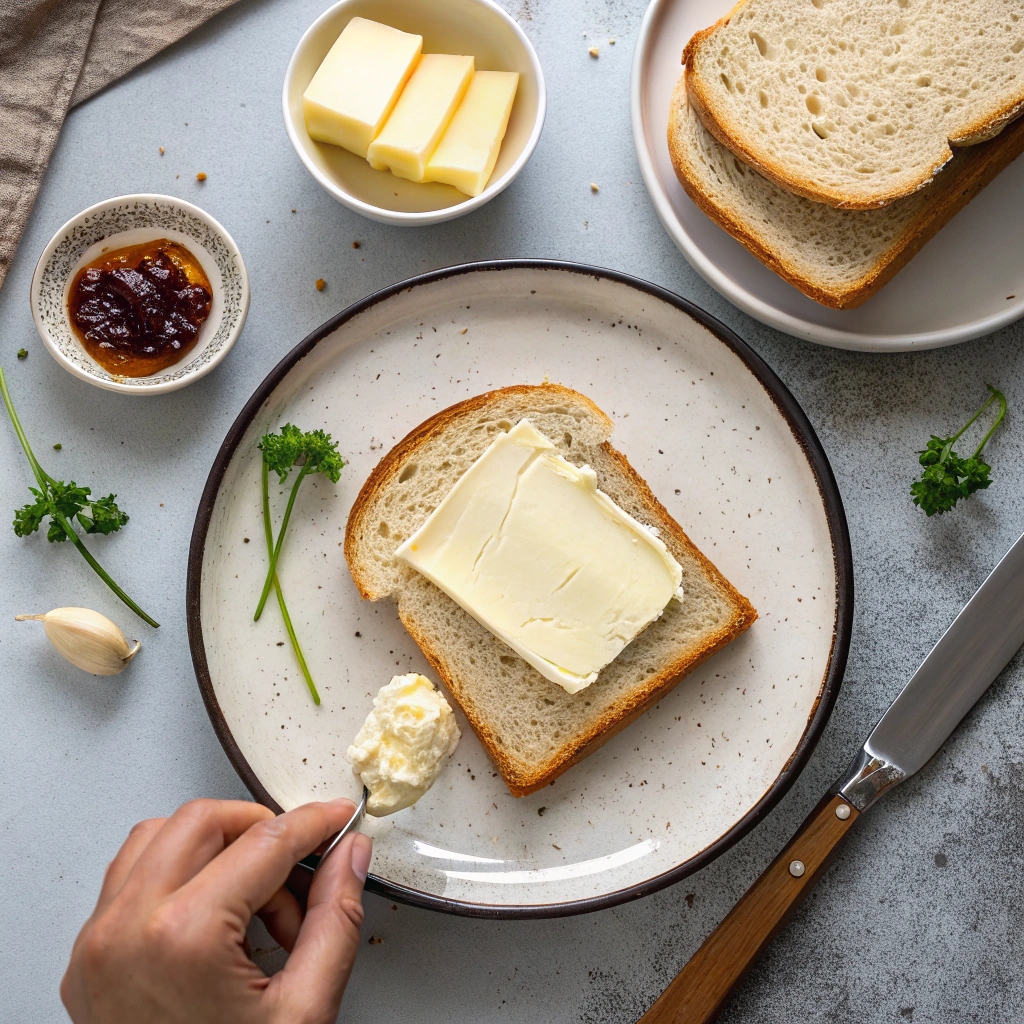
{"x":966,"y":282}
{"x":132,"y":220}
{"x":721,"y":442}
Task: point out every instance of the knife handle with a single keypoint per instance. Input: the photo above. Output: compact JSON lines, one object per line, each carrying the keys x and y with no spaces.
{"x":699,"y":991}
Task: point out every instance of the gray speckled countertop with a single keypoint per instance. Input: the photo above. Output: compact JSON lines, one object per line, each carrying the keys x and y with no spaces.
{"x":919,"y":919}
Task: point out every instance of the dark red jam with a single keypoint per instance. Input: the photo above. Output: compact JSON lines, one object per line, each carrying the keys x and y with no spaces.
{"x":139,"y":309}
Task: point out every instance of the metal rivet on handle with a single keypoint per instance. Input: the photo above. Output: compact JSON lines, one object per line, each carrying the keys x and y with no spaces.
{"x":843,"y":812}
{"x":796,"y":868}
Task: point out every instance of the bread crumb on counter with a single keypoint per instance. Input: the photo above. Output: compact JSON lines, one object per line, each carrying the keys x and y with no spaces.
{"x":201,"y":176}
{"x":593,"y":51}
{"x":321,"y":284}
{"x":594,"y":188}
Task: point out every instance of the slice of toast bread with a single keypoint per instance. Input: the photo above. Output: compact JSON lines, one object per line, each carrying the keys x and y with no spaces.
{"x":839,"y":258}
{"x":856,"y":103}
{"x":530,"y":727}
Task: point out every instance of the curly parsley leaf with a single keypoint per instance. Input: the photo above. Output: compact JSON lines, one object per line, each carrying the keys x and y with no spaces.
{"x":28,"y":519}
{"x":281,"y":451}
{"x":947,"y":477}
{"x":68,"y":499}
{"x":313,"y":450}
{"x":103,"y":516}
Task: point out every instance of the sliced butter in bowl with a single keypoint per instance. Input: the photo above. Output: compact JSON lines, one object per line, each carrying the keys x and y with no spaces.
{"x":421,"y":115}
{"x":358,"y":84}
{"x":535,"y":552}
{"x":345,"y":90}
{"x":468,"y":150}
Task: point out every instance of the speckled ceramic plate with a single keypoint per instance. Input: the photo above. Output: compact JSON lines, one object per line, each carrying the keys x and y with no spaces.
{"x":132,"y":220}
{"x":721,"y":442}
{"x":966,"y":282}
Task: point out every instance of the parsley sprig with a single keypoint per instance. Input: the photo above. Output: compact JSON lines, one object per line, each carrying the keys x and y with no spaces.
{"x":65,"y":504}
{"x":947,"y":477}
{"x":314,"y":452}
{"x":94,"y":515}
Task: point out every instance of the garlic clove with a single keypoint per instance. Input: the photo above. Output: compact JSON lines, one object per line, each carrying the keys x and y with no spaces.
{"x":88,"y":640}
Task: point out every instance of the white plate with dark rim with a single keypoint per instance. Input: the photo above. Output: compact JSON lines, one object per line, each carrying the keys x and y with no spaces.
{"x":966,"y":282}
{"x":722,"y":443}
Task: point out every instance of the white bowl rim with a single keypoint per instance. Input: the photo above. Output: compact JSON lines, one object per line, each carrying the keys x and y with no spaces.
{"x":748,"y":302}
{"x":401,"y":217}
{"x":112,"y":385}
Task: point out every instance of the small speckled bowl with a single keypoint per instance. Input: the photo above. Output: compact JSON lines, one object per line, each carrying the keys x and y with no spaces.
{"x":476,"y":27}
{"x":132,"y":220}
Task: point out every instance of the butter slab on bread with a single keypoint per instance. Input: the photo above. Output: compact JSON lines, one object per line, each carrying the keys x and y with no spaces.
{"x":839,"y":258}
{"x":531,"y":728}
{"x":856,"y":103}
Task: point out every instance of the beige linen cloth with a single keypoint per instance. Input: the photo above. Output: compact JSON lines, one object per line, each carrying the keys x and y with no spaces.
{"x":53,"y":55}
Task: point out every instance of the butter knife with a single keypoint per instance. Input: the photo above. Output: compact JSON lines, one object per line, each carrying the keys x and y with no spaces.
{"x":960,"y":668}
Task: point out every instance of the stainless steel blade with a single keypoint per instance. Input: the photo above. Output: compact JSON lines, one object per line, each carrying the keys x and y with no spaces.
{"x":960,"y":668}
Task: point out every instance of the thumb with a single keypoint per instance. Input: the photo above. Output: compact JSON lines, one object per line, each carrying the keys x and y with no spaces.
{"x":314,"y":978}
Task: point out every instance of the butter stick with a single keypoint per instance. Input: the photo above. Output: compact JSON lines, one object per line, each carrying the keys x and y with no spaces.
{"x":468,"y":150}
{"x":358,"y":84}
{"x":421,"y":115}
{"x":536,"y":553}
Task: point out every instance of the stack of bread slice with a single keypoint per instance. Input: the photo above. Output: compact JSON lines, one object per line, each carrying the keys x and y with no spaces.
{"x":833,"y":138}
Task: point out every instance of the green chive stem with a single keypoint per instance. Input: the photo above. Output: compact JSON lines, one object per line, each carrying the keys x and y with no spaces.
{"x":269,"y":535}
{"x":275,"y":553}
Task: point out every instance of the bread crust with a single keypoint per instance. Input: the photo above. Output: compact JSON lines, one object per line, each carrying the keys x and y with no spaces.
{"x":619,"y":715}
{"x":986,"y":127}
{"x":951,"y":191}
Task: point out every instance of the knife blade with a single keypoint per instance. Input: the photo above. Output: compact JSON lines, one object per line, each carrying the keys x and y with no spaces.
{"x":975,"y":648}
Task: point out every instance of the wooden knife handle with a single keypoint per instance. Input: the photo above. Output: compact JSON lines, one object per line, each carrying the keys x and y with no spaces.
{"x":699,"y":991}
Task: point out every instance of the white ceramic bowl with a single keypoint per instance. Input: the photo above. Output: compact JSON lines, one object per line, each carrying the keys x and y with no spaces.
{"x":476,"y":27}
{"x":132,"y":220}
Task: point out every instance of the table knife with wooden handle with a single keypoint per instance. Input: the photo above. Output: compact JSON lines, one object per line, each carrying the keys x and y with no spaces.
{"x":960,"y":668}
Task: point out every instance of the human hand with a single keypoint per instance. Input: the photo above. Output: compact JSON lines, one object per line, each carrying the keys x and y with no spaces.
{"x":166,"y":942}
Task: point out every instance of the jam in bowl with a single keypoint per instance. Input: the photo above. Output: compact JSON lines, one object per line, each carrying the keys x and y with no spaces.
{"x":139,"y":309}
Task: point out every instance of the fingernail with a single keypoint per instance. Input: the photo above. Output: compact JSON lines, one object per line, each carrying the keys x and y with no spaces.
{"x":362,"y":851}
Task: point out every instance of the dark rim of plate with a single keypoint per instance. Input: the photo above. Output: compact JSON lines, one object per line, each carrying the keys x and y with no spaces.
{"x":805,"y":436}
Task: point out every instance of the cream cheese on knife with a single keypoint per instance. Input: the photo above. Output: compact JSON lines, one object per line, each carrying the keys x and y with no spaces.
{"x":527,"y":544}
{"x":403,"y":744}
